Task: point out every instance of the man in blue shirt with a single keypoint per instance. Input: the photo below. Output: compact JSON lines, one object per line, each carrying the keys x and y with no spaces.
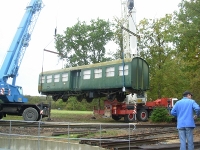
{"x":183,"y":110}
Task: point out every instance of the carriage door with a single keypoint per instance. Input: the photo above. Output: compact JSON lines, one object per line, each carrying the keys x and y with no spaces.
{"x":75,"y":78}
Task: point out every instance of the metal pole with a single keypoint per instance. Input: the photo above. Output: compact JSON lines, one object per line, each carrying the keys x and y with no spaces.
{"x":39,"y":135}
{"x":9,"y":146}
{"x":68,"y":137}
{"x":100,"y":135}
{"x":129,"y":137}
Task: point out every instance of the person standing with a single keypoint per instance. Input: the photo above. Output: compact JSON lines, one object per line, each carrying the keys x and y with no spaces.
{"x":183,"y":110}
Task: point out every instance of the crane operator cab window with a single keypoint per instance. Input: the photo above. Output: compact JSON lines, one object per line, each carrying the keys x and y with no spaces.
{"x":20,"y":90}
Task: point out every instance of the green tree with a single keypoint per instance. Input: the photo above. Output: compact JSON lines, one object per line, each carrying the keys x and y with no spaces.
{"x":37,"y":99}
{"x":188,"y":35}
{"x":83,"y":43}
{"x":187,"y":40}
{"x":157,"y":48}
{"x":118,"y":38}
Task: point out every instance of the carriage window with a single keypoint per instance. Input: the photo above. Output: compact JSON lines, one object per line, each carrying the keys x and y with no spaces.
{"x":56,"y":78}
{"x":98,"y":73}
{"x":42,"y":80}
{"x":65,"y":77}
{"x":86,"y":74}
{"x":49,"y":79}
{"x":110,"y":72}
{"x":121,"y":70}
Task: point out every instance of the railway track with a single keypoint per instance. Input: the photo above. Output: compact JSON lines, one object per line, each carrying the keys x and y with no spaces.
{"x":138,"y":136}
{"x":133,"y":140}
{"x":145,"y":141}
{"x":81,"y":125}
{"x":15,"y":123}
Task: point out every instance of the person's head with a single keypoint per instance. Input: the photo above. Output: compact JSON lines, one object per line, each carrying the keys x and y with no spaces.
{"x":187,"y":94}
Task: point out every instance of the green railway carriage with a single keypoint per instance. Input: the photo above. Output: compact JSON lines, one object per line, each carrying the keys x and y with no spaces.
{"x":113,"y":79}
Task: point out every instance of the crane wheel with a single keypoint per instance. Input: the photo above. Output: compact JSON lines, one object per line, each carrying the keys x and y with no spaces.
{"x":116,"y":118}
{"x":30,"y":114}
{"x":129,"y":118}
{"x":142,"y":115}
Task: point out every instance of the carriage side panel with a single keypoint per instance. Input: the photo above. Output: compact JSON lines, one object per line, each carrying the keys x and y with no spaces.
{"x":140,"y":74}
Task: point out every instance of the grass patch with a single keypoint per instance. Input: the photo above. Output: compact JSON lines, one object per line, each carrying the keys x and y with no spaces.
{"x":56,"y":112}
{"x":70,"y":116}
{"x":10,"y":117}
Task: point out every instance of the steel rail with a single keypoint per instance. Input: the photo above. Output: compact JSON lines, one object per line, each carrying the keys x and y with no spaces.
{"x":83,"y":125}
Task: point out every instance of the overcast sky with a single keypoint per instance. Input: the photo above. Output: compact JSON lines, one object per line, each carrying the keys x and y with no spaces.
{"x":62,"y":14}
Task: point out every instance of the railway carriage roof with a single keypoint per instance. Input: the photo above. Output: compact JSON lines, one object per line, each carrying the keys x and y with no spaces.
{"x":88,"y":66}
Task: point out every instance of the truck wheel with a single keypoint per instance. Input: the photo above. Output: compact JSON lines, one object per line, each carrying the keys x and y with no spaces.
{"x":30,"y":114}
{"x":116,"y":118}
{"x":129,"y":118}
{"x":142,"y":115}
{"x":39,"y":117}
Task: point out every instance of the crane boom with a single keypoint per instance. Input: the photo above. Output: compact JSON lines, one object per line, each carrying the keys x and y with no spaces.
{"x":20,"y":42}
{"x":129,"y":28}
{"x":13,"y":59}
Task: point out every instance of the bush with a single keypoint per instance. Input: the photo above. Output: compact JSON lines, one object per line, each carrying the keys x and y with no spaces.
{"x":73,"y":104}
{"x":161,"y":114}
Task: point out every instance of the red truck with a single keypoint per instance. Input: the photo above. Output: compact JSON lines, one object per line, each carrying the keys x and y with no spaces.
{"x":132,"y":111}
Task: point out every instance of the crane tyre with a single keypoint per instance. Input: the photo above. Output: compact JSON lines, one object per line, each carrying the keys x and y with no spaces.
{"x":142,"y":115}
{"x":30,"y":114}
{"x":39,"y":117}
{"x":129,"y":118}
{"x":116,"y":118}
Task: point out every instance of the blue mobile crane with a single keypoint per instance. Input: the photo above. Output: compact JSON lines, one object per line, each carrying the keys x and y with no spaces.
{"x":12,"y":99}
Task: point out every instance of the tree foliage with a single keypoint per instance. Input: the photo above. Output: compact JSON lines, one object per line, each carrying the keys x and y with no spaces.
{"x":83,"y":43}
{"x":37,"y":99}
{"x":71,"y":104}
{"x":118,"y":38}
{"x":188,"y":36}
{"x":156,"y":47}
{"x":187,"y":40}
{"x":74,"y":104}
{"x":171,"y":47}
